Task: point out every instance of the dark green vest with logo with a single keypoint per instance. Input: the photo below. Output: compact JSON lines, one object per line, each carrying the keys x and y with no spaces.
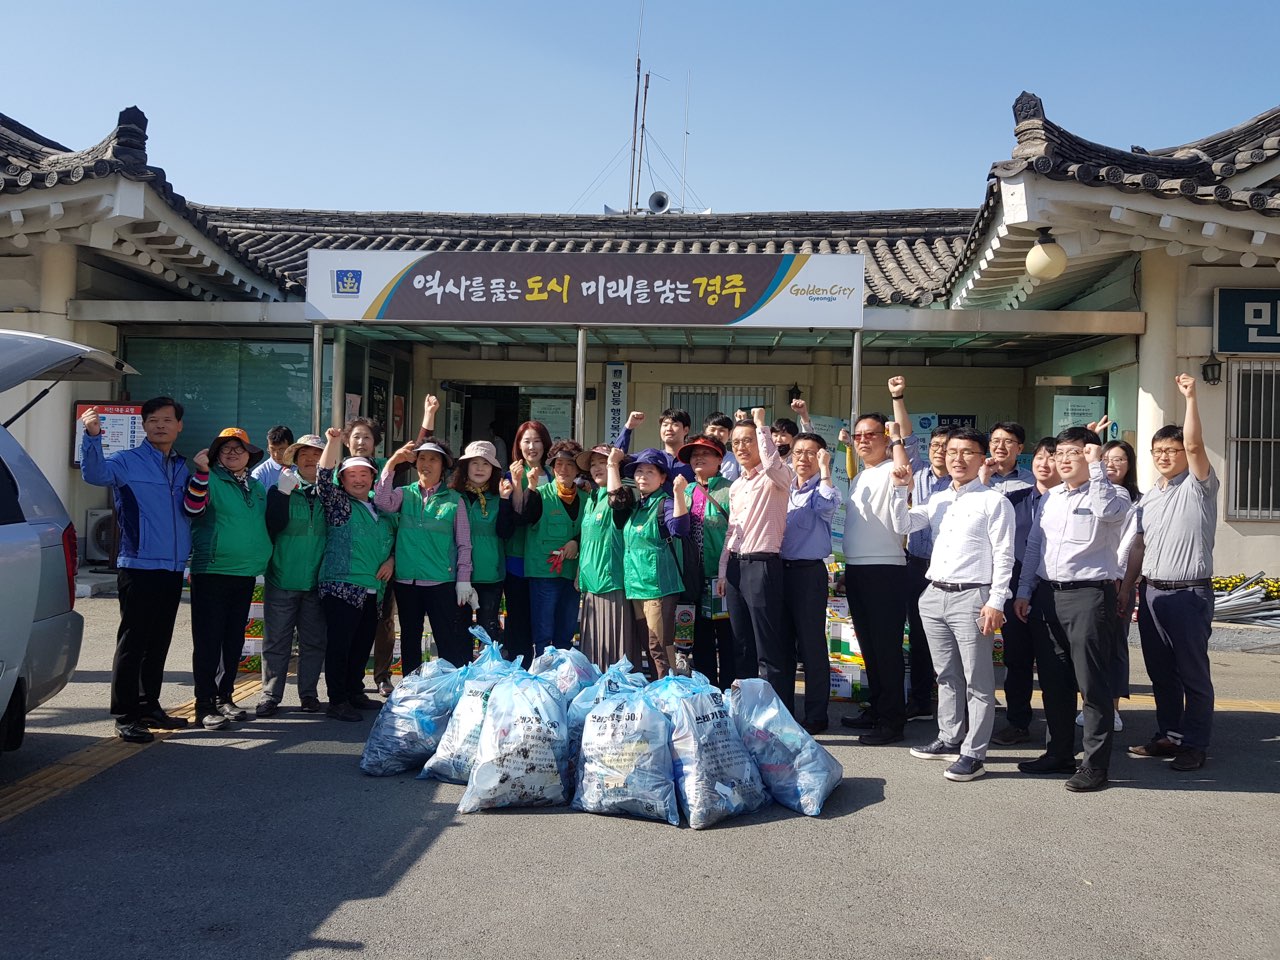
{"x":600,"y":546}
{"x":354,"y":551}
{"x":488,"y":553}
{"x":649,"y":563}
{"x":553,"y":530}
{"x":299,"y":547}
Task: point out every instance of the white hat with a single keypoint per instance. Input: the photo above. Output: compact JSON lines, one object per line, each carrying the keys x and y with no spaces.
{"x":482,"y":449}
{"x":431,"y":446}
{"x":358,"y":462}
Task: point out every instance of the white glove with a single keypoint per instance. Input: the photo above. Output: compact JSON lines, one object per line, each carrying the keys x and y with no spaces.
{"x":467,"y":594}
{"x":288,"y":481}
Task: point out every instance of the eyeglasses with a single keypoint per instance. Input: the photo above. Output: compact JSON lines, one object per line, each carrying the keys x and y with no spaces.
{"x":234,"y":449}
{"x":743,"y":442}
{"x":804,"y":454}
{"x":963,"y":454}
{"x":1158,"y":452}
{"x":868,"y":435}
{"x":941,"y":445}
{"x":1116,"y":461}
{"x":1066,"y":455}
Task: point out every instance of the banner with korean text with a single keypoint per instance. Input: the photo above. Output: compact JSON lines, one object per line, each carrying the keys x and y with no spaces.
{"x":586,"y":289}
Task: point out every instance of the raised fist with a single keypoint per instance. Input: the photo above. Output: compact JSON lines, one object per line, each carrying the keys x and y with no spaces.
{"x":505,"y":488}
{"x":1186,"y":385}
{"x":92,"y":422}
{"x":824,"y":461}
{"x":800,"y":408}
{"x":757,"y":414}
{"x":634,"y":419}
{"x":288,"y":481}
{"x":897,"y":386}
{"x":617,"y":455}
{"x":333,"y":434}
{"x":431,"y":404}
{"x":901,"y":474}
{"x":679,"y":484}
{"x":201,"y":460}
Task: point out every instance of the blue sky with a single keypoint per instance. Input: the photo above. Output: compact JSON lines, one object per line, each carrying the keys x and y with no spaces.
{"x":505,"y":106}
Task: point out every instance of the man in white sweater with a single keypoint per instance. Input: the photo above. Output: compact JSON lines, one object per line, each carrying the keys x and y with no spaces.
{"x":875,"y":568}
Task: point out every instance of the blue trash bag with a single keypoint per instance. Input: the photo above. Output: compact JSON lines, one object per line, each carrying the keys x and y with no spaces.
{"x":671,"y":688}
{"x":456,"y":751}
{"x":625,"y":765}
{"x":521,"y":757}
{"x":568,"y":668}
{"x":410,"y":724}
{"x":797,"y":770}
{"x":617,"y":679}
{"x":715,"y":775}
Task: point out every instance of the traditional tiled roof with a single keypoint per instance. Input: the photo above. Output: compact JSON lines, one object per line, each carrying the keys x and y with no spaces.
{"x":1200,"y":171}
{"x":30,"y":161}
{"x":908,"y":252}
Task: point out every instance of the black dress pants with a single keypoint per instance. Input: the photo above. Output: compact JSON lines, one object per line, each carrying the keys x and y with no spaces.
{"x":148,"y":606}
{"x":517,"y":634}
{"x":1019,"y":661}
{"x":439,"y":604}
{"x":1073,"y":652}
{"x":804,"y":625}
{"x":713,"y":650}
{"x":489,"y":616}
{"x":219,"y":611}
{"x":924,"y":681}
{"x":753,"y":594}
{"x":878,"y":607}
{"x":350,"y":640}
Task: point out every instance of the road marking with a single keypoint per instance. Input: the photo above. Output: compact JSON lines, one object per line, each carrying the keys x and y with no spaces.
{"x":71,"y":771}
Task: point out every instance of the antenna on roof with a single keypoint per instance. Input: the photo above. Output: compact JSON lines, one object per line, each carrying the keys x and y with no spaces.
{"x":635,"y":116}
{"x":684,"y":162}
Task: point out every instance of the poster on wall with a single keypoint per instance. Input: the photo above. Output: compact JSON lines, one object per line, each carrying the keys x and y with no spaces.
{"x":397,"y":417}
{"x":121,"y":427}
{"x":1076,"y":411}
{"x":556,"y":413}
{"x":615,"y":394}
{"x":353,"y":405}
{"x":378,"y":402}
{"x":923,"y":423}
{"x":455,"y":426}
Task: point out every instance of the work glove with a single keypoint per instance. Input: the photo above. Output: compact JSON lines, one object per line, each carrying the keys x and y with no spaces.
{"x":467,"y":595}
{"x":288,"y":482}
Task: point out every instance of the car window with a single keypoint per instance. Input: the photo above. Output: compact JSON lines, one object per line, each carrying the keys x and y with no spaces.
{"x":10,"y":508}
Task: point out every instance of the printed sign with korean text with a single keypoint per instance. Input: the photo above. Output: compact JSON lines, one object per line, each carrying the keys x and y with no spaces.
{"x":587,"y":289}
{"x":121,"y":427}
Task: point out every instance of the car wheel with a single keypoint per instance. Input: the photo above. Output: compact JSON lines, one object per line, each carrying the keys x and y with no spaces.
{"x":13,"y":722}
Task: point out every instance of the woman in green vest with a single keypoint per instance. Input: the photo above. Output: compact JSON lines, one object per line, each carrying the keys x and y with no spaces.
{"x":608,"y":622}
{"x":433,"y":553}
{"x":290,"y":602}
{"x":531,"y":444}
{"x":552,"y":516}
{"x":651,"y":520}
{"x":708,"y":525}
{"x":230,"y":548}
{"x":477,"y":479}
{"x":354,"y":571}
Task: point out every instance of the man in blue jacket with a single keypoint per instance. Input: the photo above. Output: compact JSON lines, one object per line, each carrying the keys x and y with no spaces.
{"x":148,"y":484}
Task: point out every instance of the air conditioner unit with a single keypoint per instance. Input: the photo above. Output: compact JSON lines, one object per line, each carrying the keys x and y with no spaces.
{"x":99,"y":528}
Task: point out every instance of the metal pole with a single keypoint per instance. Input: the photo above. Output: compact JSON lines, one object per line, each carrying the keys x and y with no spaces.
{"x":317,"y":375}
{"x":580,"y":390}
{"x":338,"y":412}
{"x":855,"y":380}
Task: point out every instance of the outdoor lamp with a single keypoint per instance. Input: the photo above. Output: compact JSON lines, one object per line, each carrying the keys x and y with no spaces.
{"x":793,"y":391}
{"x":1046,"y":260}
{"x":1211,"y":370}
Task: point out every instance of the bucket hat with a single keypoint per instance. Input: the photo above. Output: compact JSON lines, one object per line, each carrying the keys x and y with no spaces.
{"x":235,"y":433}
{"x":483,"y":450}
{"x":652,"y":456}
{"x":306,"y":440}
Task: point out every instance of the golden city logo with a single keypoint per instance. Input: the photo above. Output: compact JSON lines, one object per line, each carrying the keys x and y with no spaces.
{"x":816,"y":294}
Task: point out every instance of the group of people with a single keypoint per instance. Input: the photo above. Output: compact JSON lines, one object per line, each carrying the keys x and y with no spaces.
{"x":734,"y":521}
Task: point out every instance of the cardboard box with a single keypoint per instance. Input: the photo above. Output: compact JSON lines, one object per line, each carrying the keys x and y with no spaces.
{"x":848,"y":681}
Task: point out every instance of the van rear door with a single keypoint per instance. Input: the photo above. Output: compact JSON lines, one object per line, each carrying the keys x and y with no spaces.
{"x":19,"y":582}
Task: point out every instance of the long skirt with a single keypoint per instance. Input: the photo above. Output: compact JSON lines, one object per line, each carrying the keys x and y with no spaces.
{"x":609,"y":629}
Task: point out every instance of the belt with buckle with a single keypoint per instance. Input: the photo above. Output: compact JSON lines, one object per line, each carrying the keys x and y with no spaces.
{"x":752,"y":556}
{"x":1076,"y":584}
{"x":958,"y":587}
{"x":1179,"y":584}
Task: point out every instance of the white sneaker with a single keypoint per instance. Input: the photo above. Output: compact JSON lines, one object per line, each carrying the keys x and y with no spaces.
{"x":1080,"y":719}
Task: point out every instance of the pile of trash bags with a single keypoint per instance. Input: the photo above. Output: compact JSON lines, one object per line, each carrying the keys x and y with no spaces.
{"x":609,"y":743}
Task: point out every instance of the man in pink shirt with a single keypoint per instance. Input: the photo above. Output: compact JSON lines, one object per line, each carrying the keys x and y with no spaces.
{"x":750,"y":567}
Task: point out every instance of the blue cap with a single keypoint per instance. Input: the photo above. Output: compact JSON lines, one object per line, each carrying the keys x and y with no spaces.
{"x":652,"y":456}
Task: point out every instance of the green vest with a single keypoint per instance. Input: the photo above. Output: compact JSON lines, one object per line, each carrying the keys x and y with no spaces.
{"x":426,"y":548}
{"x":488,"y":556}
{"x":354,"y":551}
{"x":600,"y":546}
{"x":299,"y":547}
{"x":649,"y":564}
{"x":230,"y":537}
{"x":552,"y":531}
{"x":715,"y":524}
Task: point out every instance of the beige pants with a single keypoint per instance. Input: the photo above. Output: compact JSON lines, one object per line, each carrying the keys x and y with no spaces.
{"x":659,"y":618}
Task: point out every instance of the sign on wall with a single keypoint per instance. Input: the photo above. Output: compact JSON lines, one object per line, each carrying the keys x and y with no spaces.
{"x":1246,"y":321}
{"x":586,"y":289}
{"x":1076,"y":411}
{"x":615,"y":399}
{"x":121,"y":427}
{"x":556,"y":414}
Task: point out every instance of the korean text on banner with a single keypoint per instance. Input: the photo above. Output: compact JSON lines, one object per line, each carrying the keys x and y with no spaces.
{"x":615,"y":394}
{"x":121,"y":427}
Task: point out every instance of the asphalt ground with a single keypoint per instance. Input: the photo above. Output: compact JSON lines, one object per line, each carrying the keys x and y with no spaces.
{"x":267,"y":842}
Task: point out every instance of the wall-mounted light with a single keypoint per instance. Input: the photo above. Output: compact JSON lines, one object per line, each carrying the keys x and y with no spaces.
{"x":1046,"y":260}
{"x":1211,"y":370}
{"x":793,"y":391}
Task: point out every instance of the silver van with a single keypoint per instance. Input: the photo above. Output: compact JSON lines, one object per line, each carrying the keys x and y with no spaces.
{"x":40,"y":632}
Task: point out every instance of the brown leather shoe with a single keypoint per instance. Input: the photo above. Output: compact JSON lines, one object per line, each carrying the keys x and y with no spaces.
{"x":1191,"y":758}
{"x":1158,"y":747}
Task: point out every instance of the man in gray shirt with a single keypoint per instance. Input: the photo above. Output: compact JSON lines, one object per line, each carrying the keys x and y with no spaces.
{"x":1174,"y":553}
